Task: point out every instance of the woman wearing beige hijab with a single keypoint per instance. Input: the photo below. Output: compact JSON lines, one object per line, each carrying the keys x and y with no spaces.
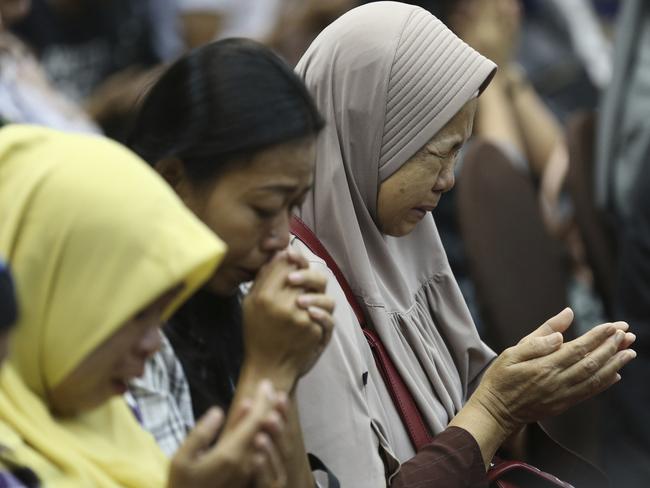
{"x":398,"y":91}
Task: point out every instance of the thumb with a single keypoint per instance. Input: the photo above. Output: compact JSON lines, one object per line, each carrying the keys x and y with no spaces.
{"x":534,"y":347}
{"x":238,"y":438}
{"x":558,"y":323}
{"x":203,"y":434}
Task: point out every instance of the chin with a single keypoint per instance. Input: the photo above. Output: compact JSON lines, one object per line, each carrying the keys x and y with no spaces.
{"x":222,"y":287}
{"x":402,"y":230}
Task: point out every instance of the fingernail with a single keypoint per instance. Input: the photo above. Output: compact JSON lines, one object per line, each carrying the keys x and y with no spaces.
{"x":274,"y":417}
{"x":304,"y":301}
{"x":316,"y":312}
{"x":259,"y":460}
{"x":631,"y":353}
{"x":282,"y":397}
{"x":618,"y":378}
{"x":267,"y":389}
{"x":214,"y":416}
{"x":261,"y":440}
{"x":630,"y":337}
{"x":295,"y":277}
{"x":554,"y":339}
{"x":618,"y":338}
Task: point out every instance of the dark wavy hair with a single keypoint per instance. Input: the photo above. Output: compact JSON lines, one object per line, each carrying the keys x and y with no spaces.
{"x":213,"y":108}
{"x":223,"y":101}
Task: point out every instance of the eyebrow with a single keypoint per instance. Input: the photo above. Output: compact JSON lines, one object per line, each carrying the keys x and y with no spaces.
{"x":278,"y":188}
{"x":451,"y":140}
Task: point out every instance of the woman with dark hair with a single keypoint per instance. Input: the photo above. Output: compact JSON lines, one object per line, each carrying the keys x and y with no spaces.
{"x":232,"y":130}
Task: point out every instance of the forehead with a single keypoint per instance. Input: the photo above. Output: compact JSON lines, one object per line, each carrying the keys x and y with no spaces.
{"x":459,"y":128}
{"x":283,"y":164}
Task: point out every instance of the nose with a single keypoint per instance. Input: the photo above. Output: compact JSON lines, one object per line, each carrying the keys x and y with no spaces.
{"x":277,"y":236}
{"x":445,"y":182}
{"x":150,"y":342}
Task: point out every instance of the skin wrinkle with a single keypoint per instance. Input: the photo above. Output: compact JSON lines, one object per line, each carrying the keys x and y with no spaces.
{"x":422,"y":180}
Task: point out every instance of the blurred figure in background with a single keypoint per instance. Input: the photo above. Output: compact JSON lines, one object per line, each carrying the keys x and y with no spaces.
{"x":26,"y":94}
{"x":622,"y":189}
{"x":288,"y":26}
{"x":99,"y":53}
{"x":566,"y":52}
{"x":513,"y":116}
{"x":207,"y":20}
{"x":301,"y":21}
{"x":81,"y":42}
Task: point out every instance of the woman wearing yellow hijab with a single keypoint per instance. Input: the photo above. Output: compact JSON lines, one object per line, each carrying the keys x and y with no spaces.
{"x":102,"y":252}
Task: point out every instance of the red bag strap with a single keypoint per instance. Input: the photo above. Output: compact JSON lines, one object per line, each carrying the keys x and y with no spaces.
{"x":400,"y":394}
{"x":308,"y":238}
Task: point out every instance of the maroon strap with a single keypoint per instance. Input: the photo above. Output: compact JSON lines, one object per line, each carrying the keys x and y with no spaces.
{"x":400,"y":394}
{"x":524,"y":474}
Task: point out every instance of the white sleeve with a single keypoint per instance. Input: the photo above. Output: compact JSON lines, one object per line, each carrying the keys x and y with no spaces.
{"x":335,"y":415}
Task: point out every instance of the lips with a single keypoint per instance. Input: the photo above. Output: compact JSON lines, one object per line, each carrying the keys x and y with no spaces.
{"x":426,"y":208}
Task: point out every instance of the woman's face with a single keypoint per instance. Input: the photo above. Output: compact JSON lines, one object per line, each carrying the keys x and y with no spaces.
{"x":107,"y":370}
{"x":416,"y":188}
{"x":249,"y":206}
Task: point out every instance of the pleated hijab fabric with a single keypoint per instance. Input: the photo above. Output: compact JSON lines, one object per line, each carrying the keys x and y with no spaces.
{"x":93,"y":236}
{"x":387,"y":77}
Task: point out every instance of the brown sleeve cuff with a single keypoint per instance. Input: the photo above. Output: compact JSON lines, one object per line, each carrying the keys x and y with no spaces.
{"x":452,"y":460}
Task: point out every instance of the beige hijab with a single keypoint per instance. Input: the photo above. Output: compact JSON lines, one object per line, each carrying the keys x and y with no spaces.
{"x":387,"y":77}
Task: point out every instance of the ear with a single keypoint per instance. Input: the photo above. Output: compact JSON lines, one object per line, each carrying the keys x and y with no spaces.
{"x":173,"y":172}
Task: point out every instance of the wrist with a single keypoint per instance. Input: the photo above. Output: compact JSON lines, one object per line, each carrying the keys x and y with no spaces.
{"x":481,"y":424}
{"x":282,"y":377}
{"x":494,"y":413}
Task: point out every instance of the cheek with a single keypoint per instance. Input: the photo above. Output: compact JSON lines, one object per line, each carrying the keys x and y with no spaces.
{"x":235,"y":224}
{"x":85,"y":388}
{"x":410,"y":192}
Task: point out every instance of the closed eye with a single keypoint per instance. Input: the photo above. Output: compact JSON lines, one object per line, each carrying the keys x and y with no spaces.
{"x":265,"y":213}
{"x":453,"y":152}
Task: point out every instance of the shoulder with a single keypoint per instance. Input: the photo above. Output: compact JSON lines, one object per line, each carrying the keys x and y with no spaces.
{"x":313,"y":259}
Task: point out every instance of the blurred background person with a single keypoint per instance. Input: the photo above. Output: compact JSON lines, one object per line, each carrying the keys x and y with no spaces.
{"x":26,"y":93}
{"x":622,"y":192}
{"x":99,"y":53}
{"x":288,"y":26}
{"x":514,"y":116}
{"x":206,"y":20}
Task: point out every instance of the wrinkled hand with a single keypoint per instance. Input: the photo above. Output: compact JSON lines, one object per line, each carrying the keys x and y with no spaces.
{"x":287,"y":317}
{"x":542,"y":376}
{"x":246,"y":452}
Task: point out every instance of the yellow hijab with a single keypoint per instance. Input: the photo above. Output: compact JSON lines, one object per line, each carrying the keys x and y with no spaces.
{"x":92,"y":236}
